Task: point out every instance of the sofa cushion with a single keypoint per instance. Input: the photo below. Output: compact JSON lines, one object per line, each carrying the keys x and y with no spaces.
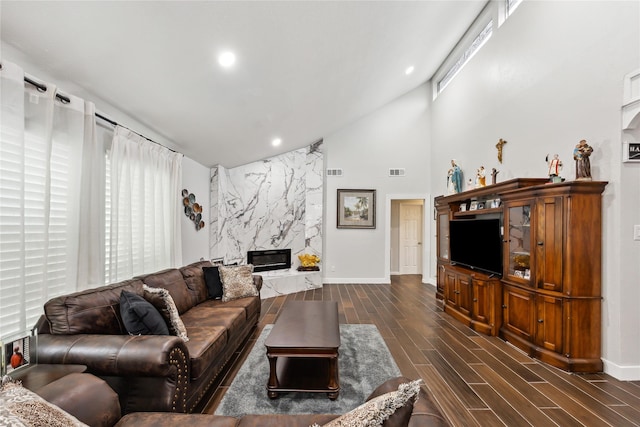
{"x":237,"y":282}
{"x":284,"y":420}
{"x":92,"y":311}
{"x":162,"y":301}
{"x":140,"y":317}
{"x":194,"y":278}
{"x":172,"y":281}
{"x":164,"y":419}
{"x":233,"y":319}
{"x":251,"y":305}
{"x":87,"y":397}
{"x":377,"y":410}
{"x":206,"y":344}
{"x":213,"y":282}
{"x":22,"y":407}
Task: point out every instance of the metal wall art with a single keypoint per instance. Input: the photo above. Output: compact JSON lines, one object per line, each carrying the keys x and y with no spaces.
{"x":192,"y":209}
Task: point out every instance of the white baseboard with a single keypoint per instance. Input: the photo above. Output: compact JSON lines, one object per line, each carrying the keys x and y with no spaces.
{"x":356,"y":281}
{"x":622,"y":372}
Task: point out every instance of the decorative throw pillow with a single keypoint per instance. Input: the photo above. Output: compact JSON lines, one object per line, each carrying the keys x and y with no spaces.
{"x":161,"y":299}
{"x":21,"y":407}
{"x":140,"y":317}
{"x":212,"y":280}
{"x":377,"y":410}
{"x":237,"y":282}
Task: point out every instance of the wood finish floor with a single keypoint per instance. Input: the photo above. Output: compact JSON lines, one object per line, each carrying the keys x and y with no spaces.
{"x":476,"y":380}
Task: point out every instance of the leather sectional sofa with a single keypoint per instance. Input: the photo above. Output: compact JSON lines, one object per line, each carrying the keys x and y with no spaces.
{"x":149,"y":372}
{"x":422,"y":413}
{"x":97,"y":406}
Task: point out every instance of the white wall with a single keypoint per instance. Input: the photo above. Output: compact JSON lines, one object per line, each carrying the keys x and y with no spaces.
{"x":550,"y":76}
{"x":195,"y":243}
{"x":395,"y":136}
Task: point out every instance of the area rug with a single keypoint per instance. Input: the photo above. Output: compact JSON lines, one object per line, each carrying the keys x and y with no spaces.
{"x":364,"y":362}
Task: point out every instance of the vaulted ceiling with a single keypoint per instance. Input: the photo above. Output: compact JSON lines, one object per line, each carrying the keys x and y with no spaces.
{"x":304,"y":69}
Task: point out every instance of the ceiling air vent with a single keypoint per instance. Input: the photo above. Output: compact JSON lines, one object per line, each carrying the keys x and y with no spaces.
{"x":334,"y":172}
{"x":397,"y":172}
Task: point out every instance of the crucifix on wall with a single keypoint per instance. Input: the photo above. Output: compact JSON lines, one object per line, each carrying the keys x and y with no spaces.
{"x":499,"y":146}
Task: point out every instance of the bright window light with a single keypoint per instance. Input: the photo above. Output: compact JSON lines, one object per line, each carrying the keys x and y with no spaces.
{"x":475,"y":46}
{"x":512,"y":5}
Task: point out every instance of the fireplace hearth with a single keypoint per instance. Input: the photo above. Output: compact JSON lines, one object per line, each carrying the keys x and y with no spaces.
{"x":274,"y":259}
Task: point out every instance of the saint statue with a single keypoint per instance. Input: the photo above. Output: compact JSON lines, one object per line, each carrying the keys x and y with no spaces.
{"x":583,"y":165}
{"x":456,"y":177}
{"x":555,"y":164}
{"x":481,"y":179}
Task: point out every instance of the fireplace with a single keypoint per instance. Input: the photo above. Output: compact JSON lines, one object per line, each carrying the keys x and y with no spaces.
{"x":274,"y":259}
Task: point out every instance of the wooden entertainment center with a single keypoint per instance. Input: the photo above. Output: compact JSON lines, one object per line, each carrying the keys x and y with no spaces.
{"x":548,"y":300}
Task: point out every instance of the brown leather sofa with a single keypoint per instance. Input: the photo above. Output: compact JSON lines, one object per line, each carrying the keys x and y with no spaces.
{"x":151,"y":372}
{"x":92,"y":401}
{"x":423,"y":413}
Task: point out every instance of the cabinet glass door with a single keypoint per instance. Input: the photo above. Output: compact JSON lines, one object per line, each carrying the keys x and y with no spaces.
{"x":443,"y":236}
{"x":518,"y":259}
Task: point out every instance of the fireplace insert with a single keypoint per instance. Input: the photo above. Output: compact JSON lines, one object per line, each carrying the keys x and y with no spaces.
{"x":274,"y":259}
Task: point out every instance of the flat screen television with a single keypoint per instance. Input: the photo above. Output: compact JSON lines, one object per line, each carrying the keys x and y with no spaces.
{"x":476,"y":244}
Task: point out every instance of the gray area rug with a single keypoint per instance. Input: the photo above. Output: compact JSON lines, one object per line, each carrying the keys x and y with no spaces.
{"x":364,"y":362}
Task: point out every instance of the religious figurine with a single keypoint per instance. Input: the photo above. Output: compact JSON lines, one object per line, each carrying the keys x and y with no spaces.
{"x":494,"y":175}
{"x":555,"y":164}
{"x":583,"y":165}
{"x":499,"y":146}
{"x":451,"y":189}
{"x":456,"y":177}
{"x":481,"y":180}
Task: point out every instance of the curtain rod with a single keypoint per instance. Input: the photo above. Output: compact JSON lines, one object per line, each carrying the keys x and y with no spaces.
{"x":41,"y":87}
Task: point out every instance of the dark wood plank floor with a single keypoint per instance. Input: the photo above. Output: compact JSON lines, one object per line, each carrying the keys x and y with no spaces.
{"x":476,"y":380}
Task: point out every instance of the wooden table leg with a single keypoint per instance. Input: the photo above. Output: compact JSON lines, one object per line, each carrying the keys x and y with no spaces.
{"x":333,"y":378}
{"x":273,"y":377}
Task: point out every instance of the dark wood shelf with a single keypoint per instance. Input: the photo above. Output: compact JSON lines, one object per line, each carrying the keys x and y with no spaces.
{"x":478,"y":212}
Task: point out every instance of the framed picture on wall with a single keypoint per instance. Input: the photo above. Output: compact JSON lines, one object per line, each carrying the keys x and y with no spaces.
{"x":356,"y":209}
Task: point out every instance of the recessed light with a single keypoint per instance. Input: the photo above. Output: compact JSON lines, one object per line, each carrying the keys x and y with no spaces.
{"x":276,"y":141}
{"x":409,"y":70}
{"x":226,"y":59}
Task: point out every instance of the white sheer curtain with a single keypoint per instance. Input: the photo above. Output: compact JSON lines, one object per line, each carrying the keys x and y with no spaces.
{"x":144,"y":228}
{"x":41,"y":145}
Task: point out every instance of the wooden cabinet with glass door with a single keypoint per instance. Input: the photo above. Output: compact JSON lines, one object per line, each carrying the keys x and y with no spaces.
{"x":552,"y":273}
{"x":442,"y":247}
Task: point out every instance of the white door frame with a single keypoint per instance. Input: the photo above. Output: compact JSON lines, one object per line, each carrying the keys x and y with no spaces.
{"x":426,"y":233}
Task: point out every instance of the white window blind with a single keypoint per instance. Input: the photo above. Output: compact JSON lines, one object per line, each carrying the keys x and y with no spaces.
{"x":40,"y":142}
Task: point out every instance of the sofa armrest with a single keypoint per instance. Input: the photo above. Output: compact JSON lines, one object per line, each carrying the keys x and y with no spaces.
{"x":257,"y":280}
{"x":163,"y":357}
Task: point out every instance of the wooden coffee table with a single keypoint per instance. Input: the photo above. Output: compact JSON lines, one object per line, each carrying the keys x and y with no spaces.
{"x":303,"y":349}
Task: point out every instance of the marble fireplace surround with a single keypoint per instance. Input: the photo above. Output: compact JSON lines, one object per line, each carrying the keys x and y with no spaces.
{"x":276,"y":203}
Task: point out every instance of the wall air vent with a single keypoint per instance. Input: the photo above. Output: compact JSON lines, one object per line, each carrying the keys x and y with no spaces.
{"x":334,"y":172}
{"x":397,"y":172}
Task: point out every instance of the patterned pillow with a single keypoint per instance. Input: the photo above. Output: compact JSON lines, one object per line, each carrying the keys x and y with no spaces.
{"x":237,"y":282}
{"x":162,"y":301}
{"x":377,"y":410}
{"x":21,"y":407}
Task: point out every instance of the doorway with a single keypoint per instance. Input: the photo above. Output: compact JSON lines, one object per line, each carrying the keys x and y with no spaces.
{"x":407,"y":236}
